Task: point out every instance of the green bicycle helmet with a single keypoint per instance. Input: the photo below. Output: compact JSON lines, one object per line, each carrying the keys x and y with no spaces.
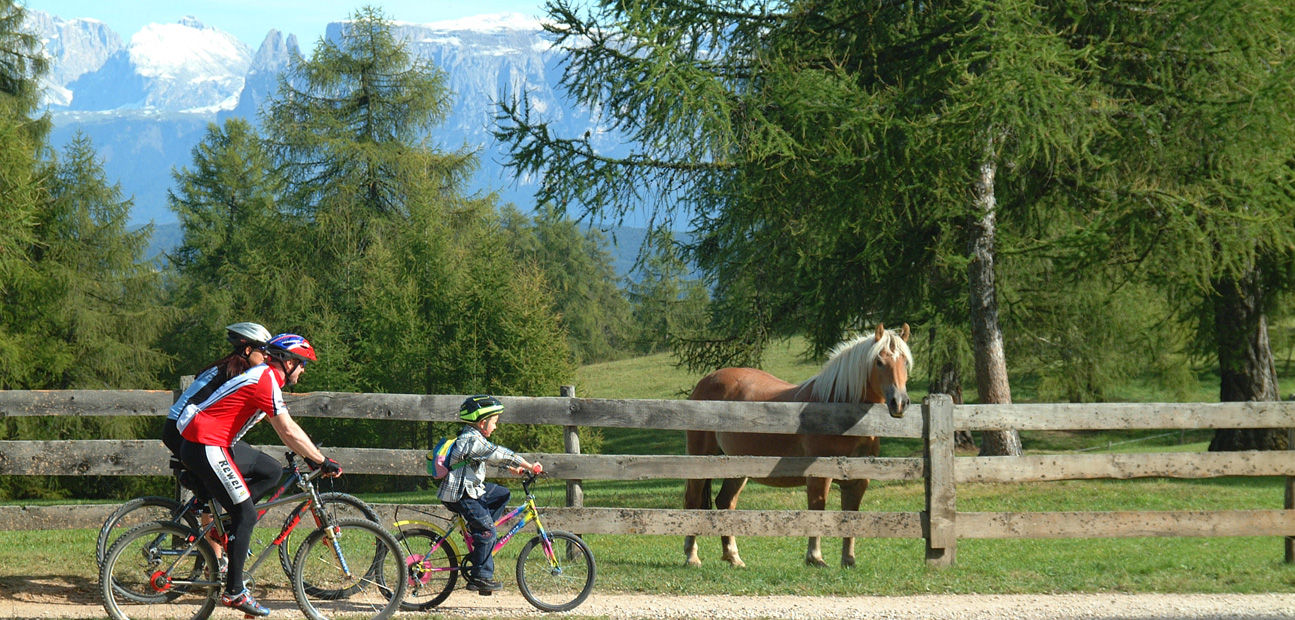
{"x":479,"y":407}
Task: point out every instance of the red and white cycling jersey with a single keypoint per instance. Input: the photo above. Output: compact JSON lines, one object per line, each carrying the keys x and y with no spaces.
{"x":234,"y":407}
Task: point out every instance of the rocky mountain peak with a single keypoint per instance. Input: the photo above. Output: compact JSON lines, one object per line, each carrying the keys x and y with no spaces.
{"x":147,"y":103}
{"x":74,"y":48}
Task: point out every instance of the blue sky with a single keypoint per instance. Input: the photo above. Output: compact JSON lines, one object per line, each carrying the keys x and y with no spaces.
{"x":250,"y":20}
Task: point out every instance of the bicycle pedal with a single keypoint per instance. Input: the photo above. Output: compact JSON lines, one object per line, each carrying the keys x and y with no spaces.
{"x":485,"y":593}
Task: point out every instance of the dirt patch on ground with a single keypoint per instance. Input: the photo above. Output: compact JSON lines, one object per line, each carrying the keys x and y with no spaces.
{"x":55,"y":598}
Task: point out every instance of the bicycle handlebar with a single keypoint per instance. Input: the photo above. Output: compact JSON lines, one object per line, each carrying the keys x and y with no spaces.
{"x":529,"y":479}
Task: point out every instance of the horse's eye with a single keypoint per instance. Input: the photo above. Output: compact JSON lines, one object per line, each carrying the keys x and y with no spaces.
{"x":881,"y":363}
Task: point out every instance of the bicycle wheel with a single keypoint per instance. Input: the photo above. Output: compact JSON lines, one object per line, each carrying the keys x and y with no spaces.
{"x":361,"y":560}
{"x":159,"y":570}
{"x":433,"y":568}
{"x":337,"y":505}
{"x":135,"y":513}
{"x":556,"y":577}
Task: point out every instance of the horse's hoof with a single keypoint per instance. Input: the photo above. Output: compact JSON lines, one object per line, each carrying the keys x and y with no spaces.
{"x":815,"y":562}
{"x":735,"y":562}
{"x":847,"y":563}
{"x":692,"y":563}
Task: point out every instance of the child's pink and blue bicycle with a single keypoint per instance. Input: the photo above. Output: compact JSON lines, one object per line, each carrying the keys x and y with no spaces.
{"x":555,"y":570}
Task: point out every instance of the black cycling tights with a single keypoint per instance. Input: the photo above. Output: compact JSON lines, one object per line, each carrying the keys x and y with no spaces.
{"x":236,"y":478}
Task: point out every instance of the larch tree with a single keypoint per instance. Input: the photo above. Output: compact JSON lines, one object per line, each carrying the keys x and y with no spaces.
{"x":845,"y":163}
{"x":582,"y":281}
{"x":22,"y":146}
{"x":225,"y":270}
{"x":376,"y":252}
{"x":91,"y":310}
{"x":1200,"y":195}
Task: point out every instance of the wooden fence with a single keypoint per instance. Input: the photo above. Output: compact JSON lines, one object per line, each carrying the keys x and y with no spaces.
{"x":940,"y":524}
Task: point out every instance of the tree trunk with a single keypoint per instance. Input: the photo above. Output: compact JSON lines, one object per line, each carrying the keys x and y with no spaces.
{"x":986,"y":334}
{"x":1247,"y":371}
{"x":949,"y":381}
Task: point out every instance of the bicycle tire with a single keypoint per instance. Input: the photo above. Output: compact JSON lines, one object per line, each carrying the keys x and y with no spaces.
{"x":136,"y":512}
{"x":362,"y":545}
{"x":126,"y":579}
{"x":338,"y":505}
{"x":416,"y":545}
{"x":560,"y":583}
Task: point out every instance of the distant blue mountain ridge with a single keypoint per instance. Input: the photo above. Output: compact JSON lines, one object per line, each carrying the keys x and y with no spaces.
{"x":623,"y":243}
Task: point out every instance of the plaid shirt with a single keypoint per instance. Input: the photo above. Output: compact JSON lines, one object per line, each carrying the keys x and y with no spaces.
{"x":470,"y":479}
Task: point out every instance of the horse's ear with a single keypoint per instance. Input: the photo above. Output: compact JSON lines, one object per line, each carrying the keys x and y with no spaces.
{"x":903,"y":333}
{"x":881,"y":331}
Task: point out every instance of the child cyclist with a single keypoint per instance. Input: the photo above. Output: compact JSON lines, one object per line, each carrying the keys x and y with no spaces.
{"x":465,"y":490}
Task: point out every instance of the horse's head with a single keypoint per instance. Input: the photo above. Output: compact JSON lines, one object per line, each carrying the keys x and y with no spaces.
{"x":888,"y":376}
{"x":871,"y":370}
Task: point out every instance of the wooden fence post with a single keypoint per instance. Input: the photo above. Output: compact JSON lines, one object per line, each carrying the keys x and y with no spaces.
{"x":571,"y":443}
{"x":941,"y":496}
{"x":1290,"y":497}
{"x":181,"y":493}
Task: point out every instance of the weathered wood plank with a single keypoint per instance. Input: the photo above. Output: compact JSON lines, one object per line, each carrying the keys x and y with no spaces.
{"x":1041,"y":468}
{"x":84,"y":402}
{"x":1126,"y":524}
{"x":767,"y":523}
{"x":615,"y":467}
{"x":788,"y":418}
{"x":941,"y":496}
{"x":64,"y":517}
{"x":1013,"y":525}
{"x":1123,"y":416}
{"x":701,"y":415}
{"x":144,"y":457}
{"x":102,"y":457}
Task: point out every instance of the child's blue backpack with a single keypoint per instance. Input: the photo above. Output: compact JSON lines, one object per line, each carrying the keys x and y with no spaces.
{"x":438,"y":460}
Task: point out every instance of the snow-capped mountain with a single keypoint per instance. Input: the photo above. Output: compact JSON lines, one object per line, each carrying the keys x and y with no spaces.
{"x":182,"y":67}
{"x":74,"y":48}
{"x":146,"y":104}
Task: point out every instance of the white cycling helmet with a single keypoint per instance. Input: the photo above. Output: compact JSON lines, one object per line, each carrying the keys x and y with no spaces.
{"x":243,"y":334}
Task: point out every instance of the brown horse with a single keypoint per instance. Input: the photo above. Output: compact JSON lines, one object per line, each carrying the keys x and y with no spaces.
{"x":872,"y":368}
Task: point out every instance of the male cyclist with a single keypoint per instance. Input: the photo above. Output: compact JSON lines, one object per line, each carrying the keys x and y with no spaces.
{"x":213,"y":426}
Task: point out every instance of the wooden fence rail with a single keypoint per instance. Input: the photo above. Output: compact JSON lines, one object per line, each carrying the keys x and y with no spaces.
{"x":935,"y":422}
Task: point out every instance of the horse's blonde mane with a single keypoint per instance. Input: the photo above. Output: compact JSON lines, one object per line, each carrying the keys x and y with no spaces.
{"x":844,"y":377}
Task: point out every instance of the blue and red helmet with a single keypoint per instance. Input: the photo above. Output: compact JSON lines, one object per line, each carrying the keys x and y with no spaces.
{"x":291,"y":346}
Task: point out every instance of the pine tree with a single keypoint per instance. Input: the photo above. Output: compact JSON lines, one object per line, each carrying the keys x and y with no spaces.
{"x":583,"y":283}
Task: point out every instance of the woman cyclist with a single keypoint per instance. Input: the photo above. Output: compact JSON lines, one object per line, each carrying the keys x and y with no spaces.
{"x":248,"y":340}
{"x":212,"y":428}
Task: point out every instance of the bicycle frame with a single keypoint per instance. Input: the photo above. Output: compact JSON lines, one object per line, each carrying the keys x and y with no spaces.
{"x":308,"y":491}
{"x":527,"y":511}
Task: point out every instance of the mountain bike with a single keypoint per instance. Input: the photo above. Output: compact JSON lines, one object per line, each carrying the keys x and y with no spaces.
{"x":352,"y":567}
{"x":555,"y":570}
{"x":155,"y":508}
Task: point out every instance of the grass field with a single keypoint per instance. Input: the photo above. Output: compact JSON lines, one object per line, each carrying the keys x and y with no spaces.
{"x":654,"y":564}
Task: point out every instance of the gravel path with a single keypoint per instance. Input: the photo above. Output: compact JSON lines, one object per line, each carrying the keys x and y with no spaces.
{"x":25,"y":604}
